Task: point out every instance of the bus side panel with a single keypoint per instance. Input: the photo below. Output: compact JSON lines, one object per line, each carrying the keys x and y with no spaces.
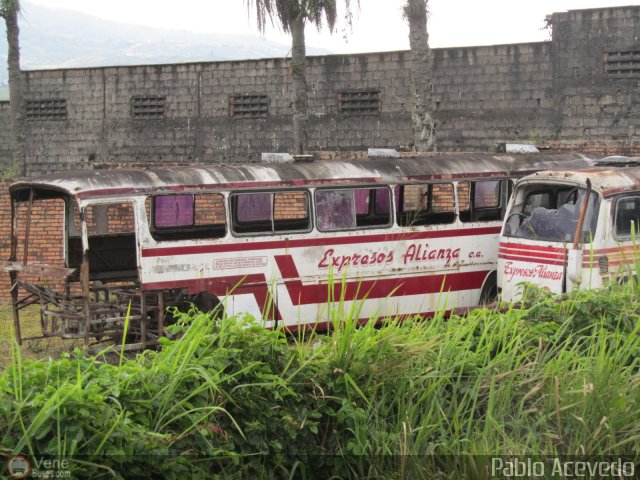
{"x":367,"y":275}
{"x":614,"y":262}
{"x":526,"y":262}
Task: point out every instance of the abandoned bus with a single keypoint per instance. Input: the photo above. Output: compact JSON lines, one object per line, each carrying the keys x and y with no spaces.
{"x":571,"y":229}
{"x":278,"y":241}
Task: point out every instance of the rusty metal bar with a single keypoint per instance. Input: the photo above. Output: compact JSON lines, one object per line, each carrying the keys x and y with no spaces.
{"x":84,"y":275}
{"x":143,"y":318}
{"x":160,"y":314}
{"x":14,"y":301}
{"x":583,"y":213}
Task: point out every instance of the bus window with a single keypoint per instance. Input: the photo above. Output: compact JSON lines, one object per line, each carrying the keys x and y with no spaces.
{"x":535,"y":199}
{"x":425,"y":204}
{"x":627,"y":217}
{"x":373,"y":207}
{"x":291,"y":211}
{"x":270,"y":212}
{"x":382,"y":204}
{"x":480,"y":201}
{"x":185,"y":217}
{"x":103,"y":219}
{"x":352,"y":208}
{"x":173,"y":211}
{"x":112,"y":242}
{"x":542,"y":216}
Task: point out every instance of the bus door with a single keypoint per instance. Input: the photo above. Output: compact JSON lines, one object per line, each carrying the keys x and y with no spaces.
{"x":538,"y":241}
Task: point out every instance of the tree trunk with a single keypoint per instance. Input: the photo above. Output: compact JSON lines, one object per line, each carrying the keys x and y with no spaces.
{"x":299,"y":95}
{"x":420,"y":72}
{"x":15,"y":92}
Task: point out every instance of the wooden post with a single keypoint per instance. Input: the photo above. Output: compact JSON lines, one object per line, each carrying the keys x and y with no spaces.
{"x":143,"y":319}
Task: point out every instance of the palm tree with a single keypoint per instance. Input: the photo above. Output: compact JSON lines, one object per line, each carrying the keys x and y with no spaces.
{"x":9,"y":10}
{"x":292,"y":16}
{"x":424,"y":133}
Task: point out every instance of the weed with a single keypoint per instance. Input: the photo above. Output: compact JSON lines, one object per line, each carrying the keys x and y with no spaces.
{"x":406,"y":398}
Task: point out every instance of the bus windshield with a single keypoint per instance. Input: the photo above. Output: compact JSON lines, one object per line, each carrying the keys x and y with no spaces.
{"x":550,"y":212}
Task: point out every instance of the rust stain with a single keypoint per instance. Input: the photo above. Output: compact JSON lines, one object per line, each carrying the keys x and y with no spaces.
{"x":88,"y":183}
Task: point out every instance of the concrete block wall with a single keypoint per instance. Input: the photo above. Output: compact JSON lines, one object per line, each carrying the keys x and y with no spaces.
{"x":482,"y":94}
{"x":7,"y":169}
{"x":592,"y":103}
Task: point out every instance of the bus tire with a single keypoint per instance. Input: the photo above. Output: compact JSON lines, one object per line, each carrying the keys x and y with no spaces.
{"x":209,"y":303}
{"x":489,"y":293}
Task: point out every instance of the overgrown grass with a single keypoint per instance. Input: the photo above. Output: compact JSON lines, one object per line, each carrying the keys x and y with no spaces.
{"x":423,"y":398}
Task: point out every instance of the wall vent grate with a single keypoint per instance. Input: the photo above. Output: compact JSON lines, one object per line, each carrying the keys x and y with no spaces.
{"x":46,"y":109}
{"x":359,"y":102}
{"x":249,"y":106}
{"x":148,"y":106}
{"x":623,"y":64}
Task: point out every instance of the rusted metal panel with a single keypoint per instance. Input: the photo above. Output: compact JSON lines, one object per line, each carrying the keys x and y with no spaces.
{"x":90,"y":183}
{"x":606,"y":180}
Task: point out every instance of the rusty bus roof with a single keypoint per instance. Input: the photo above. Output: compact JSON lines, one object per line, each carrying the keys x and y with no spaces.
{"x":119,"y":182}
{"x":607,"y":180}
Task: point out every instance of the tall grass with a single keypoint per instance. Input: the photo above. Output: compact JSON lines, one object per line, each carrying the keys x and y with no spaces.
{"x":421,"y":398}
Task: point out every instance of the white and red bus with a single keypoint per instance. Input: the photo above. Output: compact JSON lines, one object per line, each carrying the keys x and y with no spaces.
{"x":571,"y":229}
{"x":280,"y":241}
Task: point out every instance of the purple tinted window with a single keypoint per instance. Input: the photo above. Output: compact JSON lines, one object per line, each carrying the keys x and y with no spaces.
{"x":362,"y":201}
{"x":382,"y":201}
{"x":335,"y":209}
{"x":253,"y":207}
{"x":170,"y":211}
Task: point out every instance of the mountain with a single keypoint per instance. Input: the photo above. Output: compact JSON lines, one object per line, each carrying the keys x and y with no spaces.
{"x":54,"y":38}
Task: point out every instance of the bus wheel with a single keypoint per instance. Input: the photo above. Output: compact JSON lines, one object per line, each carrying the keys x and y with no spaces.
{"x":489,"y":292}
{"x":207,"y":302}
{"x":183,"y":303}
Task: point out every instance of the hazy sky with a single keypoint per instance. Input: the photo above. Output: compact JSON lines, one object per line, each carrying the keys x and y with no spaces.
{"x":378,"y":24}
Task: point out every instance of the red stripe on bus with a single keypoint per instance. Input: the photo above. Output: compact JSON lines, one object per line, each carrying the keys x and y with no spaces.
{"x":533,"y":248}
{"x":619,"y":249}
{"x":374,"y":289}
{"x":531,"y":254}
{"x":314,"y":242}
{"x":319,"y":293}
{"x":518,"y":258}
{"x":610,"y":264}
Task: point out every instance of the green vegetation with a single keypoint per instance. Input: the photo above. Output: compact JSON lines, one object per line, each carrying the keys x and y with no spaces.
{"x":406,"y":400}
